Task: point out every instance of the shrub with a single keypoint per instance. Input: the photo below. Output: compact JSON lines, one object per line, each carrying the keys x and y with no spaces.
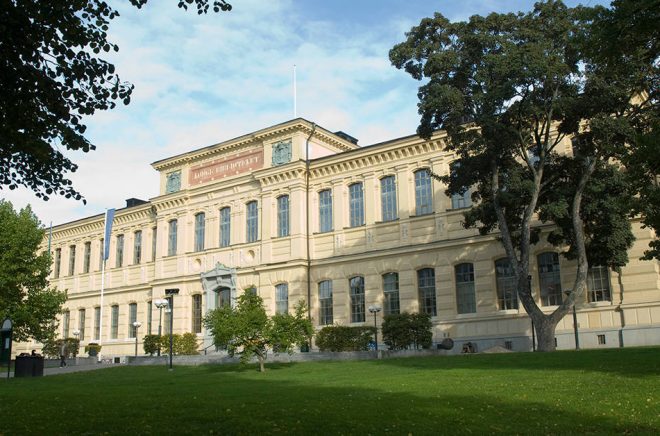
{"x":407,"y":330}
{"x":150,"y":344}
{"x":189,"y":344}
{"x":92,"y":349}
{"x":51,"y":349}
{"x":343,"y":338}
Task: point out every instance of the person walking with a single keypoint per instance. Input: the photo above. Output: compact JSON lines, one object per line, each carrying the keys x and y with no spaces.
{"x":63,"y":353}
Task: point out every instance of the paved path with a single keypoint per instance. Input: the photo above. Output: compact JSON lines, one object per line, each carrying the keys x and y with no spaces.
{"x":71,"y":368}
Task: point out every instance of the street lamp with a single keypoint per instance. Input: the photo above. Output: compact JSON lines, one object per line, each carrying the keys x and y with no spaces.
{"x":76,"y":333}
{"x":160,"y":304}
{"x":375,"y":309}
{"x":171,"y":293}
{"x":136,"y":325}
{"x":575,"y":324}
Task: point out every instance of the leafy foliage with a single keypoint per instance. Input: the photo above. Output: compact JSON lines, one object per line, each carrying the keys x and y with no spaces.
{"x":51,"y":77}
{"x":93,"y":348}
{"x":24,"y":293}
{"x":150,"y":344}
{"x":52,"y":347}
{"x":344,"y":338}
{"x":185,"y":344}
{"x":407,"y":330}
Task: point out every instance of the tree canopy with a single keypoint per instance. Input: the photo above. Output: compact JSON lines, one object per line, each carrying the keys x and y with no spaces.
{"x":52,"y":75}
{"x":512,"y":91}
{"x":24,"y":293}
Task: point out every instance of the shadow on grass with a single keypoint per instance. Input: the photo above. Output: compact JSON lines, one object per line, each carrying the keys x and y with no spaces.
{"x":238,"y":400}
{"x":628,"y":362}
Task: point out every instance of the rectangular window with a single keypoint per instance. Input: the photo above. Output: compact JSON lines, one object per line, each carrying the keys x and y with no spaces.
{"x":283,"y":216}
{"x":81,"y":324}
{"x":356,"y":205}
{"x":171,"y":238}
{"x":200,"y":230}
{"x":72,"y":259}
{"x":154,"y":240}
{"x":149,"y":316}
{"x":251,"y":217}
{"x":356,"y":286}
{"x":225,"y":227}
{"x":66,"y":318}
{"x":97,"y":323}
{"x":197,"y":313}
{"x":388,"y":198}
{"x":426,"y":288}
{"x":507,"y":297}
{"x":549,"y":279}
{"x":282,"y":298}
{"x":87,"y":257}
{"x":132,"y":318}
{"x":391,"y":293}
{"x":114,"y":322}
{"x":325,"y":211}
{"x":508,"y":345}
{"x":598,"y":283}
{"x":137,"y":247}
{"x":465,"y":295}
{"x":423,"y":198}
{"x":168,"y":316}
{"x":58,"y":261}
{"x":601,"y":340}
{"x":119,"y":261}
{"x":325,"y":303}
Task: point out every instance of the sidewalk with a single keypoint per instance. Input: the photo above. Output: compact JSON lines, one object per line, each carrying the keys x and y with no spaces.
{"x":69,"y":369}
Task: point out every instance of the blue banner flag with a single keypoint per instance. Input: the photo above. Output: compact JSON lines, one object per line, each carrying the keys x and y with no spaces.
{"x":109,"y":216}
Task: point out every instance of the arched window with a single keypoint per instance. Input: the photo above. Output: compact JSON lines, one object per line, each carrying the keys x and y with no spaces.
{"x":200,"y":231}
{"x":423,"y":198}
{"x":356,"y":205}
{"x":465,"y":295}
{"x":283,"y":215}
{"x":549,"y":278}
{"x":325,"y":302}
{"x":282,"y":298}
{"x":356,"y":285}
{"x":426,"y":289}
{"x":391,"y":293}
{"x":507,"y":297}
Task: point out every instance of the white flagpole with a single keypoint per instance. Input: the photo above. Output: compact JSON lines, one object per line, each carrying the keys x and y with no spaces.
{"x":295,"y":102}
{"x":107,"y":231}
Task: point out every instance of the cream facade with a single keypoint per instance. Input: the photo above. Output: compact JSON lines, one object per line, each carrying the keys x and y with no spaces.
{"x":347,"y":228}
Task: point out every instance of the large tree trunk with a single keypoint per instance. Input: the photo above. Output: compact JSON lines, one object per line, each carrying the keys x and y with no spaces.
{"x":261,"y":359}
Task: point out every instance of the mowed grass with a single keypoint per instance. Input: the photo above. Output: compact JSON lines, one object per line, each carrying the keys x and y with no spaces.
{"x":588,"y":392}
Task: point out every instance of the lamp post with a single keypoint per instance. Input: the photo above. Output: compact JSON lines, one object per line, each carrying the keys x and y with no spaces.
{"x":160,"y":304}
{"x":136,"y":325}
{"x":575,"y":324}
{"x":171,"y":293}
{"x":375,"y":309}
{"x":76,"y":333}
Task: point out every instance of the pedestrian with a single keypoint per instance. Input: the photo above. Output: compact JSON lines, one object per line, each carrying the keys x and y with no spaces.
{"x":63,"y":352}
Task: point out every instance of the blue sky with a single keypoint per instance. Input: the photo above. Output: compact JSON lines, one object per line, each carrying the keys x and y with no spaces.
{"x":200,"y":80}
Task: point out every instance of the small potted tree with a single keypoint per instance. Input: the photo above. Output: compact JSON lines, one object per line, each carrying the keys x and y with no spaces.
{"x":92,"y":349}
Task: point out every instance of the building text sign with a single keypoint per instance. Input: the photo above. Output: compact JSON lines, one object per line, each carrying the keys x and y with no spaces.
{"x":227,"y":166}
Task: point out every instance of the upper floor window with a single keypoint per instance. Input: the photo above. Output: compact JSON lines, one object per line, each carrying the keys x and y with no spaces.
{"x":119,"y":260}
{"x":426,"y":289}
{"x":81,"y":324}
{"x":356,"y":204}
{"x":325,"y":302}
{"x":200,"y":229}
{"x":87,"y":256}
{"x":282,"y":298}
{"x":598,"y":284}
{"x":72,"y":259}
{"x":225,"y":227}
{"x":356,"y":285}
{"x":283,"y":215}
{"x":101,"y":253}
{"x":132,"y":318}
{"x":507,"y":297}
{"x":325,"y":211}
{"x":58,"y":261}
{"x":549,"y":278}
{"x":171,"y":238}
{"x":66,"y":318}
{"x":460,"y":200}
{"x":137,"y":247}
{"x":465,"y":296}
{"x":423,"y":198}
{"x":197,"y":313}
{"x":388,"y":198}
{"x":251,"y":218}
{"x":114,"y":322}
{"x":391,"y":293}
{"x":154,"y":241}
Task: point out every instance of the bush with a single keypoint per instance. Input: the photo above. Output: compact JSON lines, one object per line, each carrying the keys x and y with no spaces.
{"x":181,"y":344}
{"x":92,"y":349}
{"x":343,"y":338}
{"x":188,"y":344}
{"x":51,"y":349}
{"x":150,"y":344}
{"x":407,"y":330}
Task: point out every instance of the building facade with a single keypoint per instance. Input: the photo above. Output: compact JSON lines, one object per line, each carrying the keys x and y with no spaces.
{"x":298,"y":212}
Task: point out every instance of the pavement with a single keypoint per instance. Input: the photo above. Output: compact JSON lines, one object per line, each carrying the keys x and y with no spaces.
{"x":70,"y":369}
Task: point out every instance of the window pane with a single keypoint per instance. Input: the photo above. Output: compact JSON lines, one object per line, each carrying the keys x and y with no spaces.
{"x":282,"y":298}
{"x":171,"y":238}
{"x":149,"y":316}
{"x":97,"y":323}
{"x":426,"y":284}
{"x":58,"y":261}
{"x":325,"y":211}
{"x":101,"y":253}
{"x":598,"y":283}
{"x":356,"y":285}
{"x":119,"y":261}
{"x":72,"y":259}
{"x":81,"y":324}
{"x":507,"y":297}
{"x":423,"y":199}
{"x":460,"y":201}
{"x":325,"y":303}
{"x":137,"y":247}
{"x":87,"y":257}
{"x":114,"y":322}
{"x":154,"y":240}
{"x":549,"y":279}
{"x":391,"y":293}
{"x":283,"y":216}
{"x":132,"y":317}
{"x":356,"y":205}
{"x":225,"y":227}
{"x":465,"y":296}
{"x":251,"y":218}
{"x":200,"y":228}
{"x":388,"y":198}
{"x":197,"y":313}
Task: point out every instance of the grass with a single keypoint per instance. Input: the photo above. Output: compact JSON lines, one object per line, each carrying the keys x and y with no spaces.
{"x":588,"y":392}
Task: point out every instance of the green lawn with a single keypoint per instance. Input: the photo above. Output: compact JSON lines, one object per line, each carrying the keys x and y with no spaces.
{"x":587,"y":392}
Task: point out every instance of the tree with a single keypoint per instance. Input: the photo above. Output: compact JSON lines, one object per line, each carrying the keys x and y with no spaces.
{"x":24,"y":293}
{"x":247,"y":330}
{"x":509,"y":89}
{"x":51,"y":76}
